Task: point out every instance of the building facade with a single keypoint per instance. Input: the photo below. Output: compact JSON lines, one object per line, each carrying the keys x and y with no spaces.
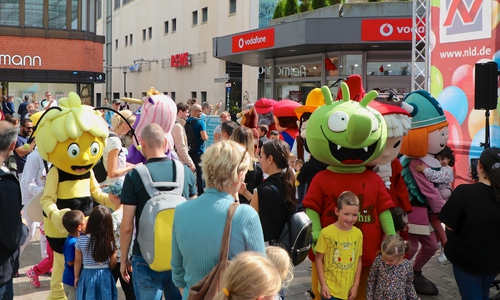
{"x":168,"y":45}
{"x":49,"y":46}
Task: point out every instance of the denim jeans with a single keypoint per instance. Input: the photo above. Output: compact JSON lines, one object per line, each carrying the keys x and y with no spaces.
{"x":471,"y":286}
{"x":149,"y":284}
{"x":7,"y":290}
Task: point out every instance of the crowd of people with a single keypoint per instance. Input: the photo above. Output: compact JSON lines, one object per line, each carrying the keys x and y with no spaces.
{"x":253,"y":166}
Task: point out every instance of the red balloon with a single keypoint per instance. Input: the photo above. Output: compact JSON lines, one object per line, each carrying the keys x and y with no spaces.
{"x":463,"y":77}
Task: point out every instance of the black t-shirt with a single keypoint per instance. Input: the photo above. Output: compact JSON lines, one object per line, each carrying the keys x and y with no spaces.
{"x":474,"y":244}
{"x":273,"y":212}
{"x":253,"y":179}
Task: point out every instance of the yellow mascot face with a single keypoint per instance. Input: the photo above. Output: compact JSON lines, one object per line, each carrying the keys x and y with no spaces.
{"x":77,"y":156}
{"x":72,"y":136}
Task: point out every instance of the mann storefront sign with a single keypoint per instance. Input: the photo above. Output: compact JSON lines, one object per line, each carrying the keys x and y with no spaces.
{"x":18,"y":60}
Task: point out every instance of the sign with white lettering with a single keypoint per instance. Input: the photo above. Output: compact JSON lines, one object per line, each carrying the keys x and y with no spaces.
{"x":253,"y":41}
{"x":18,"y":60}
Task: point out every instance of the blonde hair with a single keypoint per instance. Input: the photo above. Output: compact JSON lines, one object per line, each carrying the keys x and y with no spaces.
{"x":244,"y":136}
{"x":347,"y":198}
{"x":117,"y":120}
{"x":249,"y":276}
{"x":416,"y":142}
{"x":222,"y":162}
{"x":70,"y":121}
{"x":283,"y":264}
{"x":394,"y":245}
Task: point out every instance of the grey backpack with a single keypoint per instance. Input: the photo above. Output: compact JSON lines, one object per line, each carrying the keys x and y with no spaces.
{"x":157,"y":217}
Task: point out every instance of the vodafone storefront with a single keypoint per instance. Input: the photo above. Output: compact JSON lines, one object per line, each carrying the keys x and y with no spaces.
{"x":296,"y":56}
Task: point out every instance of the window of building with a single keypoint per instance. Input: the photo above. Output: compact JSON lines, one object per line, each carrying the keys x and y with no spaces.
{"x":92,"y":15}
{"x":57,"y":14}
{"x":116,"y":44}
{"x":127,"y":1}
{"x":204,"y":15}
{"x":203,"y":96}
{"x":232,"y":7}
{"x":99,"y":9}
{"x":74,"y":14}
{"x":193,"y":94}
{"x":126,"y":41}
{"x":172,"y":95}
{"x":116,"y":95}
{"x":150,"y":32}
{"x":174,"y":25}
{"x":9,"y":13}
{"x":131,"y":39}
{"x":165,"y":93}
{"x":84,"y":15}
{"x":195,"y":18}
{"x":144,"y":34}
{"x":117,"y":4}
{"x":166,"y":27}
{"x":33,"y":13}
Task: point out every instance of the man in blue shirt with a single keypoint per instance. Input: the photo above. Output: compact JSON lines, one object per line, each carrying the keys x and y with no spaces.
{"x":201,"y":135}
{"x":20,"y":152}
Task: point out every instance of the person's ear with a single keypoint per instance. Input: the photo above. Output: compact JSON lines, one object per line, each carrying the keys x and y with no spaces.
{"x":336,"y":211}
{"x":12,"y":146}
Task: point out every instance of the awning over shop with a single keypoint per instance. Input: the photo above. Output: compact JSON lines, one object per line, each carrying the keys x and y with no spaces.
{"x":305,"y":36}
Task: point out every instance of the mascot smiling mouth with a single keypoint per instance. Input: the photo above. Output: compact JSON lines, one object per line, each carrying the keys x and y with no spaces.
{"x":81,"y":168}
{"x":349,"y":156}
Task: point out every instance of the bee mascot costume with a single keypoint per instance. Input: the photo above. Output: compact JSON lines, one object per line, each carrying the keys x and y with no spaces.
{"x":347,"y":135}
{"x":71,"y":136}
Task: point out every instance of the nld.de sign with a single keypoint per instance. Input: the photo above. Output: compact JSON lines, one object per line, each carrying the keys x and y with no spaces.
{"x":180,"y":60}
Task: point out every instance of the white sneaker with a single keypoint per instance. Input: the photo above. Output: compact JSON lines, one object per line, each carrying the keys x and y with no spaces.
{"x":442,"y":258}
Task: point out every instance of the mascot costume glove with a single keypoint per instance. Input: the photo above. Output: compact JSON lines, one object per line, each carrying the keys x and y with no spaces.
{"x":56,"y":215}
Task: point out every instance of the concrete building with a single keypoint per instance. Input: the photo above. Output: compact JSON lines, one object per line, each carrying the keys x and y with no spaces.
{"x":168,"y":45}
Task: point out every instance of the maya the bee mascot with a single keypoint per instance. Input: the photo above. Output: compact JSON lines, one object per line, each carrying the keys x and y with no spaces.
{"x":71,"y":137}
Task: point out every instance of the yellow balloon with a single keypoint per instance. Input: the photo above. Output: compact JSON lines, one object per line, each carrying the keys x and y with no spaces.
{"x":495,"y":15}
{"x":477,"y":121}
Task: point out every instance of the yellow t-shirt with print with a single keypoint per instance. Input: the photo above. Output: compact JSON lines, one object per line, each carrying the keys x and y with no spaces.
{"x":341,"y":250}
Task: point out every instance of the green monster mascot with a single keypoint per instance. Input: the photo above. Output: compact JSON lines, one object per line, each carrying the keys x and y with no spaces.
{"x":347,"y":135}
{"x":70,"y":136}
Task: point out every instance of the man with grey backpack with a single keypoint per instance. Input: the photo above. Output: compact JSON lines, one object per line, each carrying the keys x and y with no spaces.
{"x":150,"y":193}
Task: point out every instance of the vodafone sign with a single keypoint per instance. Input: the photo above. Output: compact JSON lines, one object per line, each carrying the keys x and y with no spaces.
{"x":253,"y":41}
{"x":388,"y":29}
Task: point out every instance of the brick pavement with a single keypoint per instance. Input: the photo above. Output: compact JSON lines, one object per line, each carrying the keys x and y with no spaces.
{"x":440,"y":274}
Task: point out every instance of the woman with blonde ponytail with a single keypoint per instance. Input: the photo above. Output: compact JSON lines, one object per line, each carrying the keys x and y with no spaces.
{"x":250,"y":276}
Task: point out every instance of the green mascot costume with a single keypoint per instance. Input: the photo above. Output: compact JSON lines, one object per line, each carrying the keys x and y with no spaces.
{"x":347,"y":135}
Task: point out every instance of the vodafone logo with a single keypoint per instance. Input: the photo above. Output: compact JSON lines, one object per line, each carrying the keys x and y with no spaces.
{"x":253,"y":40}
{"x":386,"y":29}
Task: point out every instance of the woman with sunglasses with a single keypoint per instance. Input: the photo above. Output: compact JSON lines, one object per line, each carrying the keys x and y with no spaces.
{"x":275,"y":198}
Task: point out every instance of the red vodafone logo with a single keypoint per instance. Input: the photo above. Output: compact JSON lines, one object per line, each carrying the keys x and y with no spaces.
{"x":388,"y":29}
{"x":253,"y":41}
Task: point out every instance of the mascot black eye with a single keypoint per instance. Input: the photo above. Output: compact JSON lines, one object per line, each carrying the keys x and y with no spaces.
{"x":73,"y":150}
{"x":94,"y":148}
{"x":396,"y":145}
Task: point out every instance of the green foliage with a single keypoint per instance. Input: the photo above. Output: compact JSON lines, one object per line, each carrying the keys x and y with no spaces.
{"x":320,"y":3}
{"x":305,"y":5}
{"x":279,"y":10}
{"x":291,"y":7}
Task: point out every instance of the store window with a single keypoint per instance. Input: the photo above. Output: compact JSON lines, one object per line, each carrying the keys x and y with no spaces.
{"x":33,"y":14}
{"x":298,"y":70}
{"x":57,"y":14}
{"x":9,"y":13}
{"x":350,"y":64}
{"x":295,"y":90}
{"x":388,"y":68}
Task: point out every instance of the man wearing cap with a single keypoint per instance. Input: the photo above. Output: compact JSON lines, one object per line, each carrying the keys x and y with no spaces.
{"x":286,"y":120}
{"x":264,"y":108}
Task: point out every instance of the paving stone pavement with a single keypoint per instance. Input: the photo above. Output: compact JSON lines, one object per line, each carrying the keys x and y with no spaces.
{"x":439,"y":273}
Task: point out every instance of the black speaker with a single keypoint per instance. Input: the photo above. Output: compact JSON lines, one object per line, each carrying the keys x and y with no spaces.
{"x":486,"y":85}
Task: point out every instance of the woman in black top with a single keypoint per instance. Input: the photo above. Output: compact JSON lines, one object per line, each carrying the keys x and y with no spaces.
{"x":472,"y":219}
{"x":254,"y":176}
{"x":274,"y":199}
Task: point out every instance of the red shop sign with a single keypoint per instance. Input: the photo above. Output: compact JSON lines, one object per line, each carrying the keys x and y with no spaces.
{"x":254,"y":40}
{"x":180,"y":60}
{"x":388,"y":29}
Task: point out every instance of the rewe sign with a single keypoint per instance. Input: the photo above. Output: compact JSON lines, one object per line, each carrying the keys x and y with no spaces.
{"x":388,"y":29}
{"x":253,"y":41}
{"x":180,"y":60}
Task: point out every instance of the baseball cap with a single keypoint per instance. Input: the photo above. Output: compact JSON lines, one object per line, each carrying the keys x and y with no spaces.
{"x":264,"y":106}
{"x":116,"y":101}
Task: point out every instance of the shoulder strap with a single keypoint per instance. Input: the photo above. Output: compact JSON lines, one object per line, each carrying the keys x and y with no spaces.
{"x":224,"y":248}
{"x":152,"y":187}
{"x":281,"y":198}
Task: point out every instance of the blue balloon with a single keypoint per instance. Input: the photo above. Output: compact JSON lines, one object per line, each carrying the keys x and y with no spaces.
{"x":454,"y":100}
{"x":496,"y":58}
{"x":475,"y":149}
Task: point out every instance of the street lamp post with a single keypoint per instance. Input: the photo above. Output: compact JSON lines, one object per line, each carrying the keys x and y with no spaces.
{"x":125,"y":81}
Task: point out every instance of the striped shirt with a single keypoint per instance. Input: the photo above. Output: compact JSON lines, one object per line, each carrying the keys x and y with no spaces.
{"x":83,"y":245}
